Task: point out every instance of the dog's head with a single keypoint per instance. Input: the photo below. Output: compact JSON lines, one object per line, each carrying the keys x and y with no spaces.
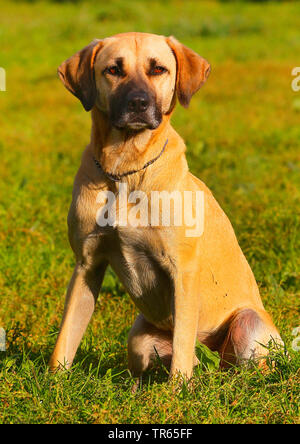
{"x":134,"y":77}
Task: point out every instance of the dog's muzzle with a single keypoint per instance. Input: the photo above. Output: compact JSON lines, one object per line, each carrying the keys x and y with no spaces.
{"x":136,"y":110}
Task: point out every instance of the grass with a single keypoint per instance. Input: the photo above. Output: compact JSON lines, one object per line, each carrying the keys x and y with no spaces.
{"x":243,"y":138}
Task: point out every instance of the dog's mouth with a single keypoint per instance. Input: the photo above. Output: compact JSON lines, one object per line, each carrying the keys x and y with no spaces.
{"x":135,"y":123}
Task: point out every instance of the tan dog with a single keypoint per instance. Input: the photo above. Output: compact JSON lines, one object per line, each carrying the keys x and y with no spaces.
{"x":186,"y":287}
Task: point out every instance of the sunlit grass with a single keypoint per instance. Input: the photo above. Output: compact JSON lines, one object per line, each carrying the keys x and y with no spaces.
{"x":242,"y":133}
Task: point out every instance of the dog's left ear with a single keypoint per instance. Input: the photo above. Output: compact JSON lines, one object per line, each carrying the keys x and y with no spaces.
{"x":77,"y":74}
{"x":192,"y":71}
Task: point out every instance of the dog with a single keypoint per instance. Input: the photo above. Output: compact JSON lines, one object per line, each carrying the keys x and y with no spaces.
{"x":185,"y":287}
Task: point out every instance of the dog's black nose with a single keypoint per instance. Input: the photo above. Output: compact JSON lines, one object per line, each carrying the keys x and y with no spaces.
{"x":138,"y":101}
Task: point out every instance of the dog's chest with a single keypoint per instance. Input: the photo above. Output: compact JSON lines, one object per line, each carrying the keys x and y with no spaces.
{"x":141,"y":259}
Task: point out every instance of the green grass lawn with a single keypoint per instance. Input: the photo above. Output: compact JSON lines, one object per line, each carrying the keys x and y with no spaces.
{"x":243,"y":137}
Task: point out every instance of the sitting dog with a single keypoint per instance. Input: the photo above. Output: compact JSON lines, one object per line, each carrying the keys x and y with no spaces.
{"x":187,"y":285}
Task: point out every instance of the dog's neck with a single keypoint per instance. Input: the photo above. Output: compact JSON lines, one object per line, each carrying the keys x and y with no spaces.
{"x":119,"y":151}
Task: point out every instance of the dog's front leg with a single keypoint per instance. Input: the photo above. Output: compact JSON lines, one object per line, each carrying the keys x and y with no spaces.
{"x":186,"y":314}
{"x":80,"y":301}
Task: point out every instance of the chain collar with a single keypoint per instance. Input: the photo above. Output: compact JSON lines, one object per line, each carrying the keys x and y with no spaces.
{"x":118,"y":177}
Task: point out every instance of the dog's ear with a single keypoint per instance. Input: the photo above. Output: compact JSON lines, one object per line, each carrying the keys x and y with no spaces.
{"x":192,"y":71}
{"x":77,"y":74}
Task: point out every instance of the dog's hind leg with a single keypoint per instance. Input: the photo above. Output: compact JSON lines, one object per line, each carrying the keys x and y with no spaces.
{"x":146,"y":343}
{"x":248,"y":335}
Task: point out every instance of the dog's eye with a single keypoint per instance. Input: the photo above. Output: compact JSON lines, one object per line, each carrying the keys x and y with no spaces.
{"x":157,"y":70}
{"x":113,"y":70}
